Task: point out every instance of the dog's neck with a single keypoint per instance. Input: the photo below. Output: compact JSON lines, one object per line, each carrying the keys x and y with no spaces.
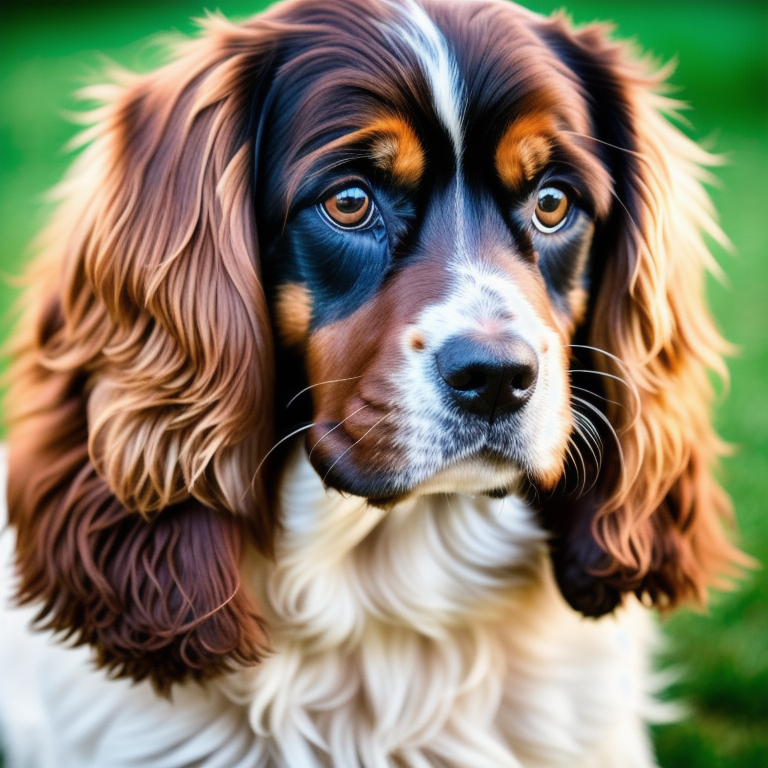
{"x":430,"y":563}
{"x":399,"y":618}
{"x":422,"y":630}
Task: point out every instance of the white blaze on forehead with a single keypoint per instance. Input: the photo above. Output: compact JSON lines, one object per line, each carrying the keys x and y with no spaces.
{"x":427,"y":41}
{"x":417,"y":30}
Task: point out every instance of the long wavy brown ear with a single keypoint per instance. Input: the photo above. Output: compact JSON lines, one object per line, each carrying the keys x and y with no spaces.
{"x":651,"y":518}
{"x":140,"y":397}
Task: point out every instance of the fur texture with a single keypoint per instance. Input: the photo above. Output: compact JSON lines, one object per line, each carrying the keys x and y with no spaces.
{"x":457,"y":247}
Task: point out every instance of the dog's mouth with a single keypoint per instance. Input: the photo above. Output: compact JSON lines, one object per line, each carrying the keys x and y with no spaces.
{"x":383,"y":478}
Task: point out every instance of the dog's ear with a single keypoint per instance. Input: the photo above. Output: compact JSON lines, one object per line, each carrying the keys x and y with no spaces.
{"x":651,"y":518}
{"x":140,"y":398}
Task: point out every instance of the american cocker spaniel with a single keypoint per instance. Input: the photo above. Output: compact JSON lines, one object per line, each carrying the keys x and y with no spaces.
{"x":359,"y":409}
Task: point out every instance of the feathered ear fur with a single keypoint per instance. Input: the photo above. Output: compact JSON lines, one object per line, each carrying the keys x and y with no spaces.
{"x":141,"y":394}
{"x":651,"y":519}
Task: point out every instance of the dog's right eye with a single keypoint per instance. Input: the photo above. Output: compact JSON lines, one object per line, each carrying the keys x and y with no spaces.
{"x":552,"y":208}
{"x":350,"y":208}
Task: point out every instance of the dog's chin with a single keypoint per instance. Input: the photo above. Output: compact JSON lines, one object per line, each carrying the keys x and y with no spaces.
{"x":482,"y":474}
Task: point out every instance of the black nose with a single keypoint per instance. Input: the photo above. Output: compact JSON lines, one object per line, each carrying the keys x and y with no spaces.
{"x":490,"y":377}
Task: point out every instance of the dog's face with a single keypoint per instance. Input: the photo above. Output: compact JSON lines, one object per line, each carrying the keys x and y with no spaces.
{"x":426,"y":233}
{"x":461,"y":233}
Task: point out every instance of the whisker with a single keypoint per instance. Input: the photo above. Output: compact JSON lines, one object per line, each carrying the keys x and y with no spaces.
{"x":319,"y":384}
{"x":336,"y":426}
{"x":273,"y":448}
{"x":596,"y":410}
{"x":607,"y":375}
{"x":634,"y":410}
{"x":639,"y":156}
{"x":579,"y":428}
{"x":599,"y":397}
{"x":591,"y":438}
{"x":637,"y":228}
{"x":571,"y":448}
{"x":585,"y":429}
{"x":501,"y":507}
{"x":612,"y":431}
{"x":629,"y":384}
{"x":360,"y":439}
{"x":348,"y":156}
{"x":633,"y":152}
{"x":605,"y":352}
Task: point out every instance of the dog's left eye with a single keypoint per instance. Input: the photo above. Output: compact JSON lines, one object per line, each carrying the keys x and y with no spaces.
{"x":552,"y":206}
{"x":350,"y":208}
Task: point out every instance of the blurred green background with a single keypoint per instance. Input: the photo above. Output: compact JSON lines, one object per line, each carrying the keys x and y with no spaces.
{"x":48,"y":50}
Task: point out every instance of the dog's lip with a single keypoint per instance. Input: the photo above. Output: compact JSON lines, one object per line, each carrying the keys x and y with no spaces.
{"x":493,"y":456}
{"x":329,"y":450}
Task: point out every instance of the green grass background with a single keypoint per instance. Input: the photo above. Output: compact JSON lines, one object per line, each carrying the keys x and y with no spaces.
{"x":48,"y":50}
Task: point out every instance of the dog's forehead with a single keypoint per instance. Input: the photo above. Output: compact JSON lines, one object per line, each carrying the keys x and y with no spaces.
{"x":447,"y":111}
{"x":460,"y":71}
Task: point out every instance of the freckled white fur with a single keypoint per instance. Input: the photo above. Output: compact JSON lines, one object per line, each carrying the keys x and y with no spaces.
{"x":429,"y":635}
{"x":479,"y":293}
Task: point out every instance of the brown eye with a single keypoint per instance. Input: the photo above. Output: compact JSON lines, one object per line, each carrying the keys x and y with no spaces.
{"x":551,"y":210}
{"x":351,"y":208}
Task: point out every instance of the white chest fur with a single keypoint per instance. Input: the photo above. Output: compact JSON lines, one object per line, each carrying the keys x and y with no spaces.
{"x":433,"y":634}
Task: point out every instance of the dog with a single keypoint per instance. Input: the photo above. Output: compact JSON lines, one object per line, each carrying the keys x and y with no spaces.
{"x":360,"y":403}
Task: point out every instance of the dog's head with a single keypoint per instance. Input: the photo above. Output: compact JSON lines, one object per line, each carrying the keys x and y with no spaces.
{"x":456,"y":245}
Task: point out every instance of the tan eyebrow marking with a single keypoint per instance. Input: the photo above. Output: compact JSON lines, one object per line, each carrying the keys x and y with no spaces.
{"x":388,"y":140}
{"x":396,"y":149}
{"x":524,"y":149}
{"x":293,"y":314}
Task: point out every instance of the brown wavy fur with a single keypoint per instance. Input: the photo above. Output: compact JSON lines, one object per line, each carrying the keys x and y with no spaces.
{"x":141,"y":394}
{"x":651,"y":521}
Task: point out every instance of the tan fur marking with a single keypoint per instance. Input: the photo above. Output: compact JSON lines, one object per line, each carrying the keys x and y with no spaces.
{"x":578,"y":298}
{"x":397,"y":150}
{"x":416,"y":341}
{"x":524,"y":150}
{"x":293,"y":313}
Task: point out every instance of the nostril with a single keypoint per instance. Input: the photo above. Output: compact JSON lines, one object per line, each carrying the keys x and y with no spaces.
{"x":462,"y":365}
{"x":524,"y":375}
{"x":467,"y":379}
